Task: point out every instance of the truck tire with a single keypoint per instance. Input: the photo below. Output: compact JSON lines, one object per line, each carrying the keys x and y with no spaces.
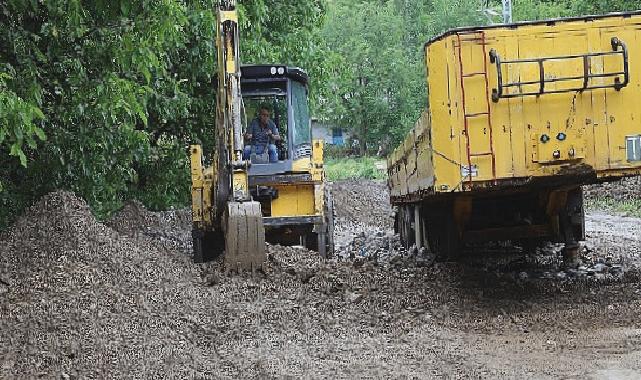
{"x":443,"y":238}
{"x":403,"y":225}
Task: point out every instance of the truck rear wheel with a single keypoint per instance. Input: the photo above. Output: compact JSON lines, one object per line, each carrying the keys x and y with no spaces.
{"x":403,"y":225}
{"x":442,"y":235}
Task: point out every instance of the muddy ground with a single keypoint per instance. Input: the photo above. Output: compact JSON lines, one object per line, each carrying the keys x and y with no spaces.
{"x":83,"y":299}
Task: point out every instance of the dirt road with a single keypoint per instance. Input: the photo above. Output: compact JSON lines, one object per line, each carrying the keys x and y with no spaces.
{"x":83,"y":299}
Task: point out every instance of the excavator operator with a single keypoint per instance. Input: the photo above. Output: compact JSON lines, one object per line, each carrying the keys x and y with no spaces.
{"x":261,"y":135}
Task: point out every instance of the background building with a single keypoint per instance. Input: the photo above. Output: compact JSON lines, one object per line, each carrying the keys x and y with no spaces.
{"x":332,"y":135}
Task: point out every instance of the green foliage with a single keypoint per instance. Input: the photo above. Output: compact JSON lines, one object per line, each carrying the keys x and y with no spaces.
{"x":97,"y":70}
{"x":119,"y":89}
{"x":527,"y":10}
{"x":18,"y":120}
{"x":123,"y":88}
{"x":531,"y":10}
{"x":354,"y":168}
{"x":378,"y":86}
{"x":19,"y":132}
{"x":603,"y":6}
{"x":277,"y":31}
{"x":167,"y":170}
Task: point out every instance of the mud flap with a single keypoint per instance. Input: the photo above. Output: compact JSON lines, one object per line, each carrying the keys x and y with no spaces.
{"x":244,"y":237}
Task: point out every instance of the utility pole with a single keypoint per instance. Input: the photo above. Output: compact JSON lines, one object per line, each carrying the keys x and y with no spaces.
{"x":507,"y":11}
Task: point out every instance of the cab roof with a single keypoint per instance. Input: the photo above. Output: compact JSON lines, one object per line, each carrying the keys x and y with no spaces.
{"x":274,"y":71}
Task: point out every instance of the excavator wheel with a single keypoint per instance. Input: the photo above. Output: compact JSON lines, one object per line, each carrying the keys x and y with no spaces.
{"x":244,"y":237}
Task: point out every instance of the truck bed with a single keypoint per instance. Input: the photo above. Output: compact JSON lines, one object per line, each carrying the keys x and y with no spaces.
{"x":518,"y":105}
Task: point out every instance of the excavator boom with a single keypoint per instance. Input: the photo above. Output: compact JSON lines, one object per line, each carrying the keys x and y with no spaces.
{"x":224,"y":215}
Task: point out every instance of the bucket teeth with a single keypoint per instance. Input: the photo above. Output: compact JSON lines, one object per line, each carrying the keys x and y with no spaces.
{"x":245,"y":237}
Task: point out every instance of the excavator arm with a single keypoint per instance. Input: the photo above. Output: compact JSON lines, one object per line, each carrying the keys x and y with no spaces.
{"x":225,"y":219}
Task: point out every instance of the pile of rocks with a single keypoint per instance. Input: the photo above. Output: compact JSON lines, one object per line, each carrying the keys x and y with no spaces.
{"x":593,"y":266}
{"x":82,"y":298}
{"x":372,"y":243}
{"x":624,"y":190}
{"x":364,"y":220}
{"x":170,"y":228}
{"x":363,"y":203}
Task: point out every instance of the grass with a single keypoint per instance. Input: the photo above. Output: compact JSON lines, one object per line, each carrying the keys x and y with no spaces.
{"x":630,"y":207}
{"x":353,"y":168}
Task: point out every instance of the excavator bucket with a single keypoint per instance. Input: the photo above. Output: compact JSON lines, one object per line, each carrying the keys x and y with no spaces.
{"x":244,"y":237}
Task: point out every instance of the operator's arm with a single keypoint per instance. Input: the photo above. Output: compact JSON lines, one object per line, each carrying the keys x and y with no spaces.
{"x":274,"y":130}
{"x":250,"y":131}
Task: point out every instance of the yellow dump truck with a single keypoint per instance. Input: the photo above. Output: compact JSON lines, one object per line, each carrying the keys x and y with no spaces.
{"x":520,"y":116}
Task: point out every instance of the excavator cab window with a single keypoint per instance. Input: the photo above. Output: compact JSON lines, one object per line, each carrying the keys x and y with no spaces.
{"x":284,"y":91}
{"x":277,"y":105}
{"x":302,"y":132}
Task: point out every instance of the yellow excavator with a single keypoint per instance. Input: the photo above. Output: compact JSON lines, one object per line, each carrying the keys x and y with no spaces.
{"x":240,"y":201}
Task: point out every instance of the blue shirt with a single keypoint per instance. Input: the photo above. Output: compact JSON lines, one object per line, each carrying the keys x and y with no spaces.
{"x":259,"y":134}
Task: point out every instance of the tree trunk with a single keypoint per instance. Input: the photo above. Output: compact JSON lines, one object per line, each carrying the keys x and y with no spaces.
{"x":363,"y":143}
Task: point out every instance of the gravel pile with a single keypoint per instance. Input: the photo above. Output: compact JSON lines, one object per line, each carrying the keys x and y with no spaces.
{"x":80,"y":299}
{"x":171,"y":228}
{"x":364,"y":221}
{"x":376,"y":244}
{"x":85,"y":300}
{"x":363,"y":202}
{"x":624,"y":190}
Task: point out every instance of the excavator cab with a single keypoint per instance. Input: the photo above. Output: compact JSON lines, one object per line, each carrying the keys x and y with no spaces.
{"x":238,"y":204}
{"x":284,"y":93}
{"x":295,"y":207}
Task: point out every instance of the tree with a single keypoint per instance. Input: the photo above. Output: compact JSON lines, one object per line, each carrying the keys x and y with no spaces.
{"x":120,"y":89}
{"x":18,"y":120}
{"x":579,"y":7}
{"x":378,"y":85}
{"x":529,"y":10}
